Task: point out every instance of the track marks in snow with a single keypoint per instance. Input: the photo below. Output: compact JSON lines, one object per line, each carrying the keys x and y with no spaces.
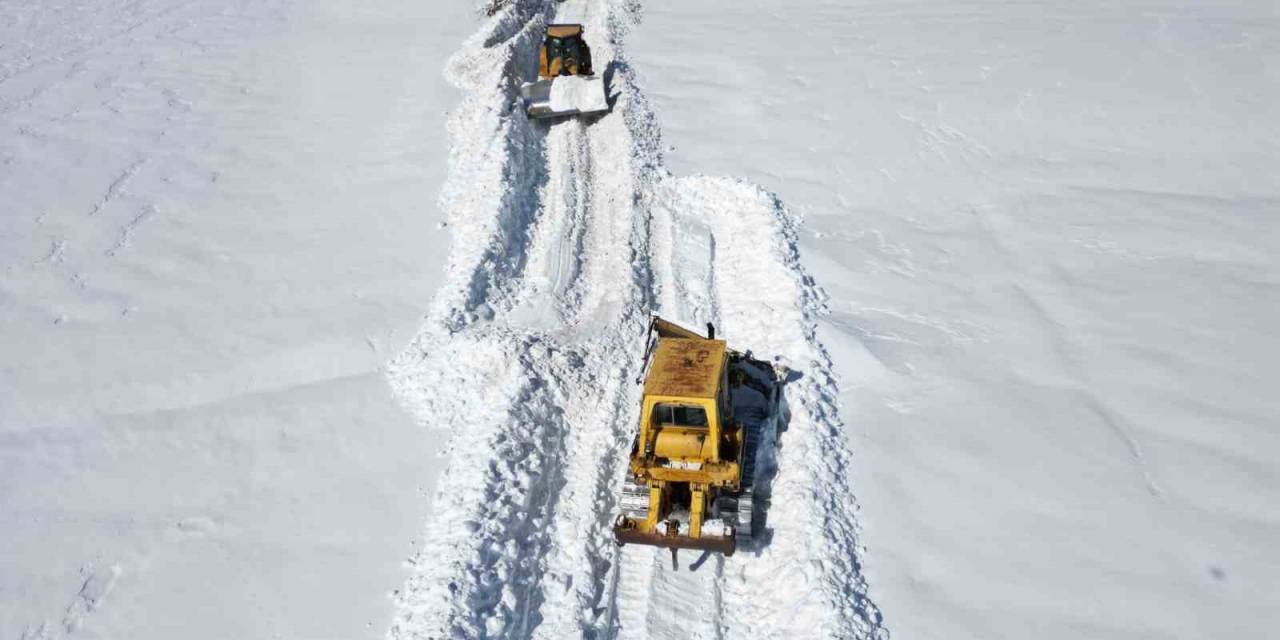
{"x":519,"y":544}
{"x":494,"y":387}
{"x":91,"y":596}
{"x":41,"y":56}
{"x":566,"y":237}
{"x":129,"y":228}
{"x":557,"y":237}
{"x":478,"y":573}
{"x":116,"y":187}
{"x":764,"y":301}
{"x":656,"y":601}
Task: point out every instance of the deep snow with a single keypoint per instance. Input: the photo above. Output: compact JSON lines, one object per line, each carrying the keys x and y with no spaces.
{"x":1028,"y":252}
{"x":219,"y":221}
{"x":1049,"y":237}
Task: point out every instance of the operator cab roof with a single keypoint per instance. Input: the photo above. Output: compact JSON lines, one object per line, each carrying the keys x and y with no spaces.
{"x":686,"y":367}
{"x":563,"y":30}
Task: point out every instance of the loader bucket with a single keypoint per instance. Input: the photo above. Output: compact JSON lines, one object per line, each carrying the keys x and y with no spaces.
{"x":626,"y":534}
{"x":565,"y":96}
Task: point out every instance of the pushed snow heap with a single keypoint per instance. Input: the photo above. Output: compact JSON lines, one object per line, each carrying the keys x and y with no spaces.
{"x":580,"y":94}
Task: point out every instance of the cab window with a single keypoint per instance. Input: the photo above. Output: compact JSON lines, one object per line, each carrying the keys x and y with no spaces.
{"x":680,"y":415}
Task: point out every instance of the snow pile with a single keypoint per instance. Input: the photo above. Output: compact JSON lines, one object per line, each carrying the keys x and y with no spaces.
{"x":715,"y":527}
{"x":585,"y":94}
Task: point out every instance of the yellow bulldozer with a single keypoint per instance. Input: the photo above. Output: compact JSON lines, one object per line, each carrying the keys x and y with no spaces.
{"x":567,"y":84}
{"x":691,"y":474}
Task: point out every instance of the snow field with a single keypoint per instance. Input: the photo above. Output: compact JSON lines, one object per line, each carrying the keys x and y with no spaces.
{"x":216,"y":225}
{"x":1044,"y":235}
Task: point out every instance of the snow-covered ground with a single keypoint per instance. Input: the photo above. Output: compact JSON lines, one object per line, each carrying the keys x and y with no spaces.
{"x":219,"y":222}
{"x":1018,"y":258}
{"x":1049,"y":236}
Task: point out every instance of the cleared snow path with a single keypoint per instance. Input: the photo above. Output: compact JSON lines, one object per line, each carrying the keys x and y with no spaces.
{"x":567,"y":237}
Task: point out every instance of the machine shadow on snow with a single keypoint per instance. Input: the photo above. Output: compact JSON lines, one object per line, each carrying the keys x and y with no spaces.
{"x":611,"y":93}
{"x":767,"y":461}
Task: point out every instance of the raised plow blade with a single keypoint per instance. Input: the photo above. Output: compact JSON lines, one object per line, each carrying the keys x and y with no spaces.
{"x":718,"y":544}
{"x":565,"y":96}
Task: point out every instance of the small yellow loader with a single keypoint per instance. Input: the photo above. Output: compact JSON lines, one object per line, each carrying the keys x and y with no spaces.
{"x":690,"y":478}
{"x":567,"y":84}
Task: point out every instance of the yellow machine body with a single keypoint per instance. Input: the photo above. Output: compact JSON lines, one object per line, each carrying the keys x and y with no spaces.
{"x":688,"y":449}
{"x":564,"y":52}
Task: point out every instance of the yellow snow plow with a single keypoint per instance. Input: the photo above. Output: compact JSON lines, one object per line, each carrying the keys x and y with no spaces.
{"x":566,"y":84}
{"x":690,"y":477}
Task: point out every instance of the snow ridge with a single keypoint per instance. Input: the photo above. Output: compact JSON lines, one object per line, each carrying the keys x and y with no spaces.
{"x":566,"y":238}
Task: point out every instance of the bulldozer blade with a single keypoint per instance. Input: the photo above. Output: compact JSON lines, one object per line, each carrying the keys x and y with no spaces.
{"x":564,"y":96}
{"x":718,"y":544}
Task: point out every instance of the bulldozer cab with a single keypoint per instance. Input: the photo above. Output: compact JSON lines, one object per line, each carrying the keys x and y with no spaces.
{"x":681,"y":420}
{"x":564,"y":52}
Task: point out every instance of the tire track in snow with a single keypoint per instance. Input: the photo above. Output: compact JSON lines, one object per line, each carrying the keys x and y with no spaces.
{"x":557,"y":236}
